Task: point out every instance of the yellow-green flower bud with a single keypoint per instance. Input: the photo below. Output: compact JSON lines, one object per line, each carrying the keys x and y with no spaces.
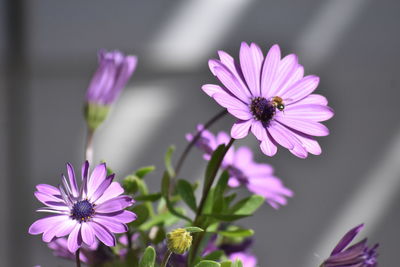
{"x":179,"y":241}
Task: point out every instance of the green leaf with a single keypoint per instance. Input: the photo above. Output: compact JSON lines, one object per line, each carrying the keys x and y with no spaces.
{"x":237,"y":263}
{"x":219,"y":201}
{"x":248,"y":205}
{"x":227,"y":217}
{"x":142,"y":212}
{"x":164,"y":218}
{"x":208,"y":263}
{"x":213,"y":165}
{"x":185,"y":190}
{"x":168,"y":161}
{"x":149,"y":258}
{"x":142,"y":172}
{"x":226,"y":264}
{"x":130,"y":184}
{"x":149,"y":197}
{"x":214,"y":256}
{"x":165,"y":192}
{"x":237,"y":233}
{"x":193,"y":229}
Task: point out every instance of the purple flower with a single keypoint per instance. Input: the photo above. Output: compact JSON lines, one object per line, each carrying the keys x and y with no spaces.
{"x":271,"y":97}
{"x":357,"y":255}
{"x":60,"y":249}
{"x":258,"y":178}
{"x":93,"y":210}
{"x":112,"y":75}
{"x":248,"y":260}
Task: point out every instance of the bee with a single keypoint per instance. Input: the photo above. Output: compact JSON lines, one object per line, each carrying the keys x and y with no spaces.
{"x":277,"y":102}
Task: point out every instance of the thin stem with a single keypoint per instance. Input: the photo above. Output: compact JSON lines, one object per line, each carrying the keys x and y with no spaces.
{"x":129,"y":236}
{"x":195,"y":138}
{"x":89,"y":146}
{"x":78,"y":261}
{"x":166,"y":258}
{"x":198,"y":238}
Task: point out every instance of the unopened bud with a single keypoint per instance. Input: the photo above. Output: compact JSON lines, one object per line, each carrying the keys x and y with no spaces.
{"x":179,"y":241}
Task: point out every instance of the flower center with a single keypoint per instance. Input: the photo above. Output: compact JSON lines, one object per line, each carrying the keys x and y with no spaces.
{"x":82,"y":210}
{"x":238,"y":174}
{"x":262,"y":109}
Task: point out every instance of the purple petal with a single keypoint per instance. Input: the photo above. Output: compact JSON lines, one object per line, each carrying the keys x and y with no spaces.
{"x":314,"y":99}
{"x":347,"y":238}
{"x":72,"y":180}
{"x":102,"y":81}
{"x":299,"y":150}
{"x":258,"y":130}
{"x":243,"y":156}
{"x":307,"y":112}
{"x":65,"y":227}
{"x":51,"y":200}
{"x":301,"y":89}
{"x":232,"y":84}
{"x":96,"y":178}
{"x":87,"y":234}
{"x":240,"y":129}
{"x":269,"y":69}
{"x":124,"y":216}
{"x":112,"y":225}
{"x":286,"y":67}
{"x":307,"y":127}
{"x":101,"y":189}
{"x":211,"y":89}
{"x":112,"y":191}
{"x":44,"y":224}
{"x":296,"y":75}
{"x":309,"y":143}
{"x":115,"y":204}
{"x":75,"y":239}
{"x":103,"y":234}
{"x":233,"y":182}
{"x":281,"y":135}
{"x":48,"y":189}
{"x":250,"y":61}
{"x":234,"y":106}
{"x":268,"y":147}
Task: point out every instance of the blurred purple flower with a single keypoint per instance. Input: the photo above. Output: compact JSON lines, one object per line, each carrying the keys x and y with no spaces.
{"x":113,"y":73}
{"x":95,"y":209}
{"x":248,"y":259}
{"x":271,"y":97}
{"x":257,"y":177}
{"x":59,"y":247}
{"x":357,"y":255}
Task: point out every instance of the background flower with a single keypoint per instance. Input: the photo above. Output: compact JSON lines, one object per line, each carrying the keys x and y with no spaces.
{"x":270,"y":97}
{"x":243,"y":170}
{"x":93,"y":210}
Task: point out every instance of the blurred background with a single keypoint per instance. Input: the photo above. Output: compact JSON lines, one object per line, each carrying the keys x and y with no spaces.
{"x":48,"y":55}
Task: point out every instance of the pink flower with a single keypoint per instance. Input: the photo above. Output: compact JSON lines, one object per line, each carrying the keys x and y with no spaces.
{"x":243,"y":170}
{"x":95,"y":209}
{"x":270,"y":97}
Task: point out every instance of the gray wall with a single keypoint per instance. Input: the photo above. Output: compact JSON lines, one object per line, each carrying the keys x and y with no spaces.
{"x":351,"y":44}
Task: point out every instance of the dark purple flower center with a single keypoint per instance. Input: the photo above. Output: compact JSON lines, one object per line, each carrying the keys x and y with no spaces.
{"x":238,"y":174}
{"x":262,"y":109}
{"x":82,"y":210}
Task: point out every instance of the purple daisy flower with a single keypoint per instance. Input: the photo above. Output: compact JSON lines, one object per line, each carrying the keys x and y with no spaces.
{"x":59,"y":247}
{"x":257,"y":177}
{"x":270,"y":97}
{"x":357,"y":255}
{"x":248,"y":260}
{"x":112,"y":75}
{"x":95,"y":209}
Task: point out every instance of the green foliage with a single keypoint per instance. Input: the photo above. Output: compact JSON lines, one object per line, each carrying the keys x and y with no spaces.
{"x":95,"y":115}
{"x":185,"y":190}
{"x":214,"y":256}
{"x":168,"y":161}
{"x":237,"y":232}
{"x":193,"y":229}
{"x":213,"y":166}
{"x":130,"y":184}
{"x":237,"y":263}
{"x":219,"y":201}
{"x":149,"y":258}
{"x":149,"y":197}
{"x":248,"y":205}
{"x":208,"y":263}
{"x":142,"y":212}
{"x":143,"y":171}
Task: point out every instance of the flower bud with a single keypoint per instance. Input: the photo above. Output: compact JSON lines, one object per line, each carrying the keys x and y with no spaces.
{"x":179,"y":241}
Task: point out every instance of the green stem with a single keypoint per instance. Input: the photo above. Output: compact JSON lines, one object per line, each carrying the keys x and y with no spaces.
{"x":78,"y":261}
{"x":166,"y":258}
{"x":207,"y":187}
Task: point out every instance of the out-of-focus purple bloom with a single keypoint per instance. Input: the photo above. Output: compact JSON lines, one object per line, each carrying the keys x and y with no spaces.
{"x":96,"y":209}
{"x":271,"y":97}
{"x":258,"y":178}
{"x":124,"y":241}
{"x":113,"y":73}
{"x":248,"y":259}
{"x":357,"y":255}
{"x":59,"y":247}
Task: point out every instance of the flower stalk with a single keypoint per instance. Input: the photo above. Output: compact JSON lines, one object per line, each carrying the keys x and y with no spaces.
{"x":166,"y":258}
{"x":78,"y":261}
